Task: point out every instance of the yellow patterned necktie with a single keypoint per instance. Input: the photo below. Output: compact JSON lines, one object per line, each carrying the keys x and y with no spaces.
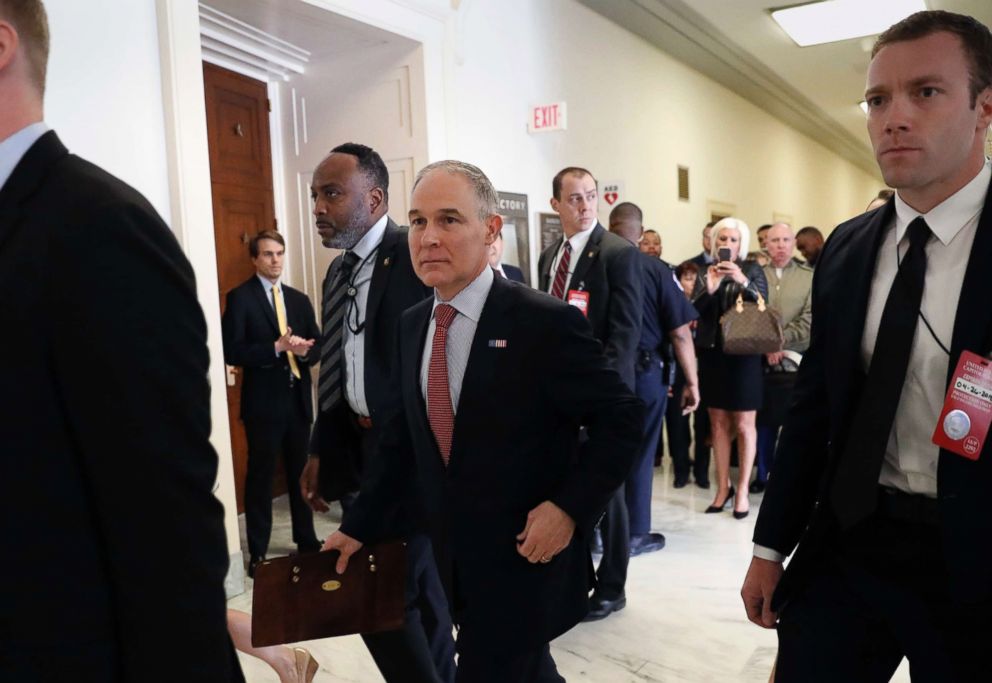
{"x":281,"y":317}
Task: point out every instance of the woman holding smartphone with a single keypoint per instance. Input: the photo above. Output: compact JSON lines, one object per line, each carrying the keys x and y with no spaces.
{"x":730,"y":385}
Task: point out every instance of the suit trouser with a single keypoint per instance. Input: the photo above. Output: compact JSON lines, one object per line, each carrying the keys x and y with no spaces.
{"x":649,"y":389}
{"x":767,"y":436}
{"x":701,"y":429}
{"x":877,"y":594}
{"x":677,"y":430}
{"x":423,"y":651}
{"x":267,"y":438}
{"x":499,"y":665}
{"x":611,"y":576}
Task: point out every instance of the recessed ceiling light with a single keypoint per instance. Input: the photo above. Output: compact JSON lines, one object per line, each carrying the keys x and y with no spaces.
{"x":828,"y":21}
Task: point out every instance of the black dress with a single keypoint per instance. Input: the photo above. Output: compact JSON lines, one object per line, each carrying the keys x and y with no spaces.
{"x":726,"y":381}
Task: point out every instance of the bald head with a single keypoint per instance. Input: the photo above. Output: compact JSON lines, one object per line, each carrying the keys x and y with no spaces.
{"x":626,"y":220}
{"x":780,"y":242}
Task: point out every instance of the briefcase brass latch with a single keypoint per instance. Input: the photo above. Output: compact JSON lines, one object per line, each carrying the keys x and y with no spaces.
{"x":330,"y":585}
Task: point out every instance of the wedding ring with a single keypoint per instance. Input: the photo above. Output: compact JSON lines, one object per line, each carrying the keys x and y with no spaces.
{"x":545,"y":559}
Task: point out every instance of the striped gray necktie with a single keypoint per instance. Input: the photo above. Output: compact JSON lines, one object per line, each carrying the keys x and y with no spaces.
{"x":330,"y":386}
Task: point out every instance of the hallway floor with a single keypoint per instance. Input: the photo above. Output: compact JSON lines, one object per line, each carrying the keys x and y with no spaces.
{"x":684,"y":621}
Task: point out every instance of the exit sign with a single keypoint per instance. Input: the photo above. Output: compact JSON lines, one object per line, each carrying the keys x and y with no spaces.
{"x":547,"y":117}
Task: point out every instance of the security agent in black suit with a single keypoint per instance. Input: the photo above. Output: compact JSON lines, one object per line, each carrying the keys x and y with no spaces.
{"x":602,"y":271}
{"x":893,"y":556}
{"x":510,"y":511}
{"x":115,"y":542}
{"x":366,"y":289}
{"x":506,"y":270}
{"x":269,"y":329}
{"x":701,"y":457}
{"x":666,"y":317}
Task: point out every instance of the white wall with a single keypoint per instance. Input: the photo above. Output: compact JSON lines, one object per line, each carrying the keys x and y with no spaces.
{"x":104,"y":94}
{"x":634,"y":114}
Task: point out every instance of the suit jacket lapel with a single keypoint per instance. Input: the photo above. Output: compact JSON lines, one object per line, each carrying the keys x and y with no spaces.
{"x":263,"y":301}
{"x":26,"y":178}
{"x":973,"y":319}
{"x":860,"y":268}
{"x":472,"y":412}
{"x":586,"y":258}
{"x":380,"y":272}
{"x":414,"y":337}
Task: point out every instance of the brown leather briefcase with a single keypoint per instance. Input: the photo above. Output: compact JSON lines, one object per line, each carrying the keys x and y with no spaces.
{"x":302,"y":597}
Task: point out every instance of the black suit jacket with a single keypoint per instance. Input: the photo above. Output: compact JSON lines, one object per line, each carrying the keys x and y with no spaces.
{"x":115,"y":542}
{"x":393,"y":289}
{"x":610,"y":270}
{"x":511,"y":451}
{"x":513,"y":273}
{"x":796,"y":506}
{"x":250,"y":330}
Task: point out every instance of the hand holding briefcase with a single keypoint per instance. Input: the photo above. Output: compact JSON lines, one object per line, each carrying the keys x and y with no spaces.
{"x":302,"y":597}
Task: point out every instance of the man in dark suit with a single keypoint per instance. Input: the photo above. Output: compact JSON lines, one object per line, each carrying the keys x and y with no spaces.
{"x":600,"y":272}
{"x":115,"y":542}
{"x":701,"y":457}
{"x":666,"y":317}
{"x":893,"y":557}
{"x":366,"y":289}
{"x":510,"y":511}
{"x":510,"y":272}
{"x":269,"y":329}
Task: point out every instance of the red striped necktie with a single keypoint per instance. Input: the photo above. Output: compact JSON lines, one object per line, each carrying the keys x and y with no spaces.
{"x":561,"y":275}
{"x":440,"y":413}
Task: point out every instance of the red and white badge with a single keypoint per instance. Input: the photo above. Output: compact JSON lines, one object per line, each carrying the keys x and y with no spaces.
{"x":579,"y":299}
{"x":967,"y":413}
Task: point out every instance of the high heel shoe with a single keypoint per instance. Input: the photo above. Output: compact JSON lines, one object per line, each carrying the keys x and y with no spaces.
{"x":719,"y":508}
{"x":742,"y":515}
{"x":306,"y":665}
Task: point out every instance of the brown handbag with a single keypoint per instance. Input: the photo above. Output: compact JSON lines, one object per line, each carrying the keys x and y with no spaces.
{"x":302,"y":597}
{"x":750,"y":329}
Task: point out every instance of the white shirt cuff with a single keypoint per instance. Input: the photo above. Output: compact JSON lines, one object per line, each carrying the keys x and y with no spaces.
{"x":768,"y":554}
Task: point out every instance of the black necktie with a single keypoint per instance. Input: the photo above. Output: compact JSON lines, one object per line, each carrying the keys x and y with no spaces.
{"x":855,"y":487}
{"x":329,"y":386}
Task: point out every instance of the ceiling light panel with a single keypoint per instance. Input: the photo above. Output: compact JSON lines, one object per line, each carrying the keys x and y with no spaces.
{"x":816,"y":23}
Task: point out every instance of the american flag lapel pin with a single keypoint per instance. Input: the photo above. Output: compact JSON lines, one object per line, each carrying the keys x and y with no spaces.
{"x":497,"y":343}
{"x":385,"y":261}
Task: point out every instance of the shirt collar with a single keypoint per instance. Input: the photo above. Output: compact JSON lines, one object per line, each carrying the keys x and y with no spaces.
{"x":580,"y":239}
{"x":13,"y":149}
{"x":268,"y":284}
{"x":371,"y":239}
{"x":472,"y":298}
{"x":947,"y":218}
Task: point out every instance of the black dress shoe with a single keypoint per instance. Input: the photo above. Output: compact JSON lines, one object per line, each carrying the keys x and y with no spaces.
{"x":719,"y":508}
{"x":646,"y":543}
{"x":756,"y":486}
{"x":600,"y":608}
{"x":704,"y":484}
{"x":681,"y":481}
{"x":252,"y":563}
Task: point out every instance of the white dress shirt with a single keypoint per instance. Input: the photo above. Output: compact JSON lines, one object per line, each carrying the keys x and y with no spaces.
{"x":15,"y":146}
{"x":354,"y":344}
{"x":578,"y":241}
{"x":461,"y":333}
{"x":910,"y":462}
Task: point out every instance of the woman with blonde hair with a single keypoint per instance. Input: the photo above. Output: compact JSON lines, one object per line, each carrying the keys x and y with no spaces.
{"x":730,"y":385}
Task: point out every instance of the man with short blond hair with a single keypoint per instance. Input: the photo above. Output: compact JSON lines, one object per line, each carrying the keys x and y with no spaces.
{"x":116,"y":542}
{"x":890,"y":529}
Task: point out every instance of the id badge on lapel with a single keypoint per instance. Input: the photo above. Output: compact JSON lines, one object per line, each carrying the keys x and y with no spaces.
{"x":964,"y":420}
{"x":579,"y":299}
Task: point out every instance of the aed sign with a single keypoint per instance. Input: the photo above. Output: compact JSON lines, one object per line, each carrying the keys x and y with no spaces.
{"x":547,"y":117}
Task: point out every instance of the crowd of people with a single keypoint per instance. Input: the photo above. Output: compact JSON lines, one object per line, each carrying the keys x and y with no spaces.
{"x":425,"y":336}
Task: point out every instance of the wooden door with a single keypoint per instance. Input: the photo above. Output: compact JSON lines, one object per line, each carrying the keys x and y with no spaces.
{"x":241,"y":185}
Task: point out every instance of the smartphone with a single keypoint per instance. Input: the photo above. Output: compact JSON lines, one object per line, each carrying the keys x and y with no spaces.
{"x":723,"y":253}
